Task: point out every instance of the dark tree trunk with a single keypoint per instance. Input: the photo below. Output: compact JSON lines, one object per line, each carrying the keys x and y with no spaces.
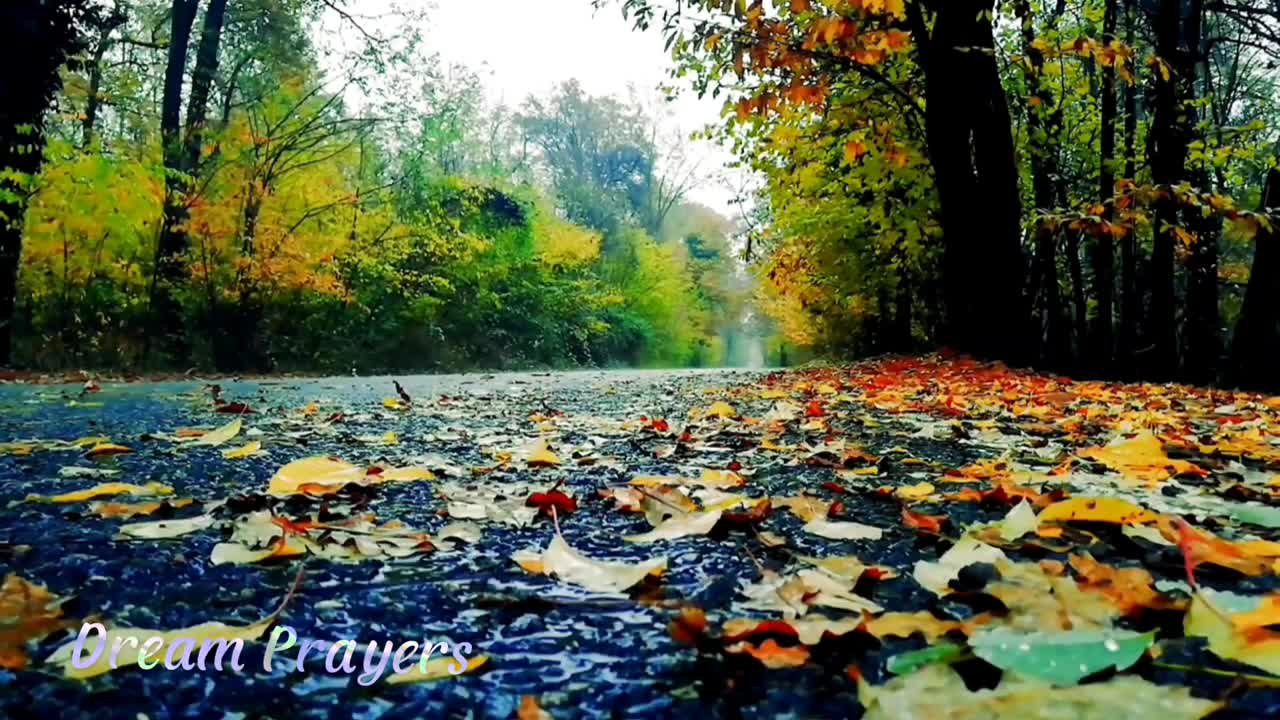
{"x":235,"y":340}
{"x":1130,"y":294}
{"x":902,"y":340}
{"x":971,"y":148}
{"x":1256,"y":343}
{"x":1044,"y":123}
{"x":1079,"y":306}
{"x":1168,"y":140}
{"x":88,"y":125}
{"x":1202,"y":330}
{"x":206,"y":72}
{"x":36,"y":38}
{"x":1102,"y":346}
{"x":171,"y":246}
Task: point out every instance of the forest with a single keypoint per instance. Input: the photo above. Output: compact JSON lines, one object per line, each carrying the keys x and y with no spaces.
{"x":1088,"y":186}
{"x":263,"y":185}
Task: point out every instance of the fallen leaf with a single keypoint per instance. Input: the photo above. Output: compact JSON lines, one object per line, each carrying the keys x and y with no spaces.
{"x":1141,"y":458}
{"x":104,"y":449}
{"x":530,"y":709}
{"x":243,"y":451}
{"x":721,"y":409}
{"x":1244,"y":637}
{"x":1020,"y":521}
{"x":1096,"y":509}
{"x":937,"y":576}
{"x":213,"y":438}
{"x":545,"y":502}
{"x":28,"y":612}
{"x":920,"y":521}
{"x":693,"y":524}
{"x":937,"y":691}
{"x":838,"y":530}
{"x":1130,"y":589}
{"x":105,"y":490}
{"x":165,"y":529}
{"x":562,"y":561}
{"x":308,"y":474}
{"x":1062,"y":658}
{"x":771,"y":654}
{"x":129,"y":651}
{"x":440,"y":668}
{"x":808,"y":630}
{"x":904,"y":625}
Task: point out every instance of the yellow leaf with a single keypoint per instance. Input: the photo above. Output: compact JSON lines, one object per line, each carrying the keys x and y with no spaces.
{"x":721,"y":409}
{"x":315,"y":472}
{"x":1097,"y":509}
{"x":1141,"y":458}
{"x":1244,"y":637}
{"x":131,"y":651}
{"x":243,"y":451}
{"x":103,"y":490}
{"x":438,"y":669}
{"x":720,"y":478}
{"x":407,"y":474}
{"x":219,"y":436}
{"x":915,"y":492}
{"x":106,"y":448}
{"x":542,"y":457}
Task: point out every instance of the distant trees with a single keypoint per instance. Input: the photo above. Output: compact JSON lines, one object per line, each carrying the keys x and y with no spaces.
{"x":207,"y":189}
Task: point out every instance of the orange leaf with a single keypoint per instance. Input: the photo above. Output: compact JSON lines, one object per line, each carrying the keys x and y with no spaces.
{"x":920,"y":521}
{"x":772,"y":655}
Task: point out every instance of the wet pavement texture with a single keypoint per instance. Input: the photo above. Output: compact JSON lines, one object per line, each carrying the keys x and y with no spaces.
{"x":583,"y":654}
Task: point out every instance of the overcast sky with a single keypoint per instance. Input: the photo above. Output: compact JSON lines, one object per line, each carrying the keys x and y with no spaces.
{"x":530,"y":46}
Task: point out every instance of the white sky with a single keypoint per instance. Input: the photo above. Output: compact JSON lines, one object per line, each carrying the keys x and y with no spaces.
{"x":523,"y":47}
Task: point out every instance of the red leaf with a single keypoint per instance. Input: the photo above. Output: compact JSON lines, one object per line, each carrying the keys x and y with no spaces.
{"x":814,"y":409}
{"x":237,"y":408}
{"x":553,"y":499}
{"x":836,"y":488}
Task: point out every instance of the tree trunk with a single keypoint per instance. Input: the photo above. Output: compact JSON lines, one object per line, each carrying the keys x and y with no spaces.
{"x":1256,"y":343}
{"x":1202,"y":332}
{"x":1130,"y":294}
{"x":206,"y":71}
{"x":172,"y":244}
{"x":1044,"y":123}
{"x":1102,"y":347}
{"x":1168,"y":141}
{"x":88,"y":125}
{"x":902,"y":340}
{"x":971,"y":148}
{"x":36,"y":38}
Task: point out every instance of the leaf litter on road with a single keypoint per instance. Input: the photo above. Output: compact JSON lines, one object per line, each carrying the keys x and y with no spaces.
{"x":958,"y":524}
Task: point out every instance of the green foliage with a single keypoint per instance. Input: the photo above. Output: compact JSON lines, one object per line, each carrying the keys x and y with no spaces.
{"x":437,"y":232}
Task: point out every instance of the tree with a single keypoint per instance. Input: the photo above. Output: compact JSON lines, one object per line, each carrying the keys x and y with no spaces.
{"x":38,"y":37}
{"x":1256,"y":343}
{"x":169,"y":263}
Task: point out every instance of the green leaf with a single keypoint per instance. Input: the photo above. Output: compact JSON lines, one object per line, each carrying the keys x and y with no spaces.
{"x":1263,"y":515}
{"x":909,"y":662}
{"x":1062,"y":657}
